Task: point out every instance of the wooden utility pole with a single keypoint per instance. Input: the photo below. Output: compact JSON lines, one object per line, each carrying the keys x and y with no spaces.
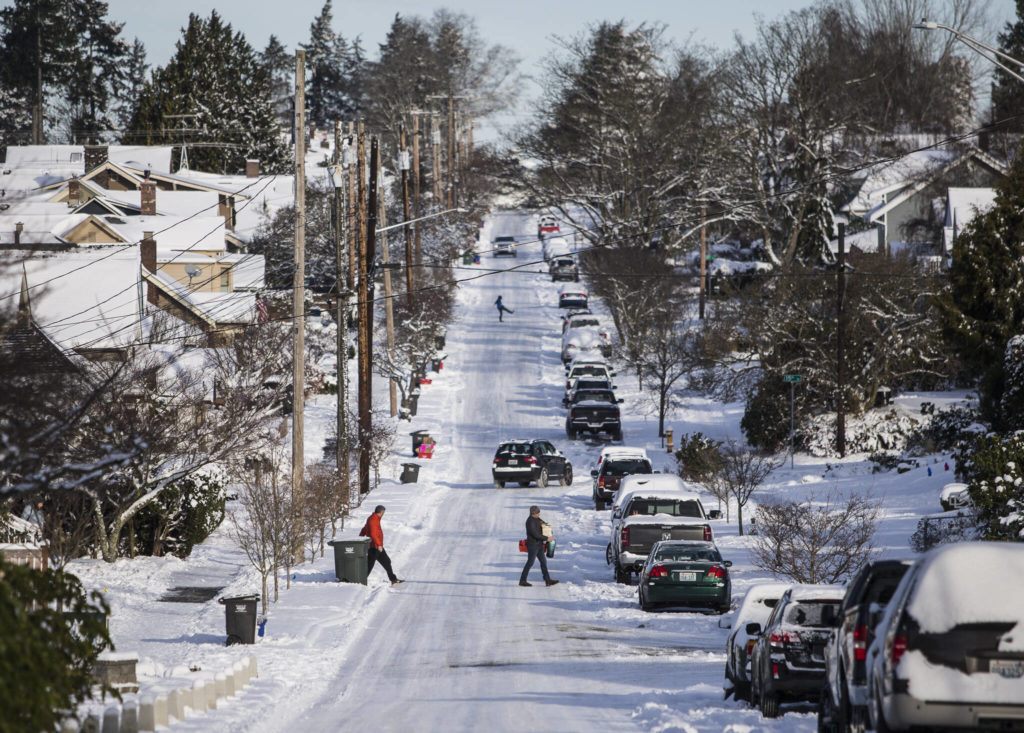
{"x":403,"y":163}
{"x":840,"y":337}
{"x":435,"y":141}
{"x":703,"y":258}
{"x":368,"y":218}
{"x":354,"y":222}
{"x":416,"y":187}
{"x":340,"y":225}
{"x":299,"y":285}
{"x":389,"y":315}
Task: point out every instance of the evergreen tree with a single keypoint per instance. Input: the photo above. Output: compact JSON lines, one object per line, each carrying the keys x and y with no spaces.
{"x":280,"y":66}
{"x":99,"y":72}
{"x":983,"y":306}
{"x":402,"y":77}
{"x":217,"y":78}
{"x":327,"y":61}
{"x":136,"y":72}
{"x":1007,"y":92}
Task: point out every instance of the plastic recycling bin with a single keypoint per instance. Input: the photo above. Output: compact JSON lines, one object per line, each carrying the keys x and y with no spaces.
{"x":418,"y":438}
{"x":467,"y":257}
{"x":240,"y":619}
{"x":439,"y":340}
{"x":350,"y":561}
{"x":410,"y":403}
{"x":410,"y":473}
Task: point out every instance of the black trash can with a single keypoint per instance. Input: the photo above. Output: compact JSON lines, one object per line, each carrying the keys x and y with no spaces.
{"x":418,"y":438}
{"x":439,"y":341}
{"x":240,"y":619}
{"x":410,"y":403}
{"x":350,"y":561}
{"x":410,"y":473}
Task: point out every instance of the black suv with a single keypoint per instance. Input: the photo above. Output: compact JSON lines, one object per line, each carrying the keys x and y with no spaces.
{"x":527,"y":461}
{"x":844,"y":697}
{"x":608,"y":476}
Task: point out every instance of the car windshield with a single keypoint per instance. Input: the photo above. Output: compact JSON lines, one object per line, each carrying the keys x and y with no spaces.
{"x":594,"y":395}
{"x":590,"y":370}
{"x":808,"y":613}
{"x":514,"y":448}
{"x":625,"y":466}
{"x":689,"y":554}
{"x":672,"y":507}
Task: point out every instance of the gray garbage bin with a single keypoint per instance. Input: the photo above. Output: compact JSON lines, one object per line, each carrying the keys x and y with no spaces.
{"x":418,"y":438}
{"x":350,"y":562}
{"x":439,"y":340}
{"x":411,"y":402}
{"x":240,"y":619}
{"x":410,"y":473}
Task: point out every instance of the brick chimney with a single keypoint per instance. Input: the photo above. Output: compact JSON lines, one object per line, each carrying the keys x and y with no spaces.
{"x":18,"y":229}
{"x":252,"y":169}
{"x":74,"y":191}
{"x":95,"y":155}
{"x":148,"y":195}
{"x":147,"y":249}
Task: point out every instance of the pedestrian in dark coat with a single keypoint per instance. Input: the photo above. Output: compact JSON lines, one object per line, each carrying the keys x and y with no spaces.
{"x":535,"y":539}
{"x":376,"y":552}
{"x":501,"y":308}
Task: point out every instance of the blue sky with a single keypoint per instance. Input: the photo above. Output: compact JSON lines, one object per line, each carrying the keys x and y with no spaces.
{"x":530,"y":27}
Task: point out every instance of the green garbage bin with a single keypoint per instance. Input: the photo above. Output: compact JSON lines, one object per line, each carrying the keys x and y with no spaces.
{"x":350,"y":561}
{"x":467,"y":257}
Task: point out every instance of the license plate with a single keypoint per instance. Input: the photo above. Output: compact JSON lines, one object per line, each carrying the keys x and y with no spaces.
{"x":686,"y":577}
{"x":1009,"y":668}
{"x":513,"y":462}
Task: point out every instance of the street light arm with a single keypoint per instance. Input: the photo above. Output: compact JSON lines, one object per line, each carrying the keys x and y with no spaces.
{"x":975,"y":45}
{"x":413,"y":221}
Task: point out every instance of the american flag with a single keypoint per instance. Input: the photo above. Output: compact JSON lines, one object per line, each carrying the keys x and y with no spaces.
{"x":261,"y":311}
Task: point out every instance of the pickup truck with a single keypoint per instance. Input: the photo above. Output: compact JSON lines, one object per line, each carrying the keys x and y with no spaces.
{"x":594,"y":411}
{"x":645,"y":518}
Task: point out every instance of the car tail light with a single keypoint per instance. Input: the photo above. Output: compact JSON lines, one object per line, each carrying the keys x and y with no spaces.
{"x":860,"y":642}
{"x":707,"y":533}
{"x":775,"y":671}
{"x":899,"y":647}
{"x":781,"y":638}
{"x":572,"y":414}
{"x":659,"y":571}
{"x":625,"y":536}
{"x":497,"y":461}
{"x":531,"y":459}
{"x":717,"y":572}
{"x":600,"y":483}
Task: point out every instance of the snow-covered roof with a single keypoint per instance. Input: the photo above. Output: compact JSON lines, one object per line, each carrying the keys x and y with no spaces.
{"x":41,"y":228}
{"x":169,"y":203}
{"x":72,"y":157}
{"x":249,"y":271}
{"x":233,"y":307}
{"x":971,"y":582}
{"x":963,"y":204}
{"x":887,"y":178}
{"x":866,"y":241}
{"x":176,"y":236}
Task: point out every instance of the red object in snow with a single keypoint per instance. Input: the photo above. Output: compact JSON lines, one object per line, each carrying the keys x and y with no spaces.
{"x":440,"y":365}
{"x":426,"y":450}
{"x":424,"y":380}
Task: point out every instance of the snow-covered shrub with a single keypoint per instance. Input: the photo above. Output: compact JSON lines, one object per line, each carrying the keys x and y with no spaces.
{"x":765,"y":422}
{"x":1011,"y":404}
{"x":875,"y":431}
{"x":187,"y":513}
{"x":992,"y":466}
{"x":698,"y":456}
{"x":944,"y":430}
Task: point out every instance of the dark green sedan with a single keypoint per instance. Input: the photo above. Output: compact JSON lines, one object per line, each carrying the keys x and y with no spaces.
{"x":685,"y":573}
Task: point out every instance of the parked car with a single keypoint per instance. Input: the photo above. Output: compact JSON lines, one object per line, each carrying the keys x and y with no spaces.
{"x":642,"y":482}
{"x":564,"y":268}
{"x":620,"y":450}
{"x":582,"y":365}
{"x":685,"y":573}
{"x":954,"y":496}
{"x":572,"y":299}
{"x":555,"y":247}
{"x":504,"y":245}
{"x":844,"y":697}
{"x":949,"y":650}
{"x":528,"y":461}
{"x":788,"y":659}
{"x":756,"y":607}
{"x":608,"y":474}
{"x":594,"y":411}
{"x":582,"y":383}
{"x":547,"y":223}
{"x":585,"y":340}
{"x":582,"y":320}
{"x":648,"y":517}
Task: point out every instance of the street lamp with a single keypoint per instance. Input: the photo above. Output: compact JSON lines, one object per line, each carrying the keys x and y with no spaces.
{"x":975,"y":45}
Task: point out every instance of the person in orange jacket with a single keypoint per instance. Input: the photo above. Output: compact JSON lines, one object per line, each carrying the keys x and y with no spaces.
{"x":376,"y":552}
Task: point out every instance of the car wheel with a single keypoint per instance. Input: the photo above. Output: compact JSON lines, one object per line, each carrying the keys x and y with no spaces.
{"x":566,"y":479}
{"x":499,"y":484}
{"x":608,"y":554}
{"x":827,"y":719}
{"x":542,"y":479}
{"x":524,"y":484}
{"x":769,"y":704}
{"x":622,"y":576}
{"x":876,"y":718}
{"x":599,"y":504}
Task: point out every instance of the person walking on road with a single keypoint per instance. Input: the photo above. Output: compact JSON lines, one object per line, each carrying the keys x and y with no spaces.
{"x":501,"y":308}
{"x":535,"y":541}
{"x":376,"y":552}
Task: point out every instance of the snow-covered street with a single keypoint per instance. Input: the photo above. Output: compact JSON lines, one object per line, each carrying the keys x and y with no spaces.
{"x":460,"y":646}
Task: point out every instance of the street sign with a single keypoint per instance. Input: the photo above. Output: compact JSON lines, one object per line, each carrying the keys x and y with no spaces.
{"x":792,"y":378}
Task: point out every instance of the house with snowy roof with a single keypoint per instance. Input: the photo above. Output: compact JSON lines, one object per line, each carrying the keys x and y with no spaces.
{"x":906,"y":199}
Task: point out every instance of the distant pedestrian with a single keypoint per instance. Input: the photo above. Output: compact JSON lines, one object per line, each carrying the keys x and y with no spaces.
{"x":538,"y":532}
{"x":501,"y":308}
{"x":376,"y":553}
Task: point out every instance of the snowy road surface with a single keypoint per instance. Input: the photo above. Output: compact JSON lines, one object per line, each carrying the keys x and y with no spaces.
{"x":460,"y":646}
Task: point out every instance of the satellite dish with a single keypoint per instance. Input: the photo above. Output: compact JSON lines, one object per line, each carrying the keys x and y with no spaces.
{"x":192,"y":271}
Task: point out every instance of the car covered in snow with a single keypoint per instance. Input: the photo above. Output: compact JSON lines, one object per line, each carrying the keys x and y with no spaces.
{"x":585,"y":334}
{"x":949,"y":651}
{"x":788,"y":659}
{"x":564,"y":268}
{"x":954,"y":496}
{"x":756,"y":607}
{"x":553,"y":247}
{"x":572,"y":298}
{"x":529,"y":461}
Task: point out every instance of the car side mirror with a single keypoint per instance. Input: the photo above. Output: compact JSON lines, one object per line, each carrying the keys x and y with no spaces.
{"x":728,"y":563}
{"x":753,"y":629}
{"x":619,"y":400}
{"x":616,"y":514}
{"x":593,"y":474}
{"x":715,"y":514}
